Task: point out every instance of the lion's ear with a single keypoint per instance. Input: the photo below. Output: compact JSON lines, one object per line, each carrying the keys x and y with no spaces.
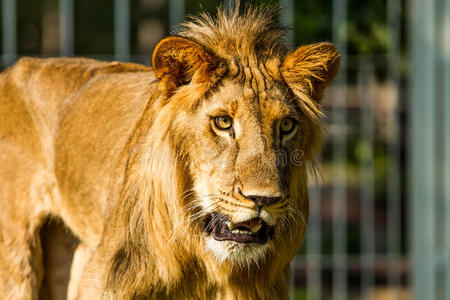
{"x":178,"y":61}
{"x":311,"y":68}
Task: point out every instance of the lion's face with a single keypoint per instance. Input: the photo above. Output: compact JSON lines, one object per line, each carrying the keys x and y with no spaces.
{"x":246,"y":131}
{"x":240,"y":153}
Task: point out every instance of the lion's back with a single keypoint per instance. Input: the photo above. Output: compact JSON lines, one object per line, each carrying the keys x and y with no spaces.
{"x":33,"y":93}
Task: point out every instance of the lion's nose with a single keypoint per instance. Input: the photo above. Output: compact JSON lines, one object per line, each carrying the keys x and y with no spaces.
{"x":263,"y":200}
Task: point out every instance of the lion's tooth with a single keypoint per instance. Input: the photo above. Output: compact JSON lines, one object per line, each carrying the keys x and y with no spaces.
{"x":240,"y":231}
{"x":256,"y":228}
{"x":230,"y":225}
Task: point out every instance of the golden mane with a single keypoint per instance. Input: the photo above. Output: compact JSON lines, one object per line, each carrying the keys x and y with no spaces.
{"x":250,"y":33}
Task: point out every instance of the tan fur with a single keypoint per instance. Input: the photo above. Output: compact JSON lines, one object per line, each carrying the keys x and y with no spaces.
{"x":128,"y":157}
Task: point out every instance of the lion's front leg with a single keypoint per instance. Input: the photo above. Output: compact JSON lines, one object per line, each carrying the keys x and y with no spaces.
{"x":90,"y":280}
{"x":22,"y":213}
{"x":20,"y":262}
{"x":80,"y":259}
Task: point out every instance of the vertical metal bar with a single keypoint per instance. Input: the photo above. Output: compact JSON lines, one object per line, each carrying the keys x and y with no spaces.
{"x":446,"y":141}
{"x":288,"y":18}
{"x":9,"y":32}
{"x":122,"y":30}
{"x":339,"y":144}
{"x":367,"y":257}
{"x":66,"y":16}
{"x":230,"y":4}
{"x":313,"y":250}
{"x":393,"y":147}
{"x":422,"y":147}
{"x":176,"y":12}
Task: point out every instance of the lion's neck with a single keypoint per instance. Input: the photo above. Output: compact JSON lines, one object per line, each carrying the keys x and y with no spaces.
{"x":213,"y":281}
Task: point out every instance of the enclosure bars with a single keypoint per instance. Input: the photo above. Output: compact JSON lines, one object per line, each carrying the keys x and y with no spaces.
{"x":121,"y":29}
{"x":422,"y":148}
{"x":9,"y":32}
{"x":339,"y":144}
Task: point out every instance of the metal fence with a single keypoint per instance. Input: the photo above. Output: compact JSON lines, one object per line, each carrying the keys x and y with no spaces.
{"x":400,"y":220}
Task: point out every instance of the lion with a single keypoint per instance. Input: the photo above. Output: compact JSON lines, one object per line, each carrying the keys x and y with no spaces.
{"x":181,"y":180}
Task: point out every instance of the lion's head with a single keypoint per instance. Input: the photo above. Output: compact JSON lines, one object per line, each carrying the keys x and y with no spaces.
{"x":248,"y":121}
{"x":235,"y":128}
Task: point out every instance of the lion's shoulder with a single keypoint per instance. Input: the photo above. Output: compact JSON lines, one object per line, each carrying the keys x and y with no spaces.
{"x":35,"y":91}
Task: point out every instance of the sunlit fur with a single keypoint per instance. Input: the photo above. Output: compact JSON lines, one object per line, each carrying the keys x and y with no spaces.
{"x":128,"y":157}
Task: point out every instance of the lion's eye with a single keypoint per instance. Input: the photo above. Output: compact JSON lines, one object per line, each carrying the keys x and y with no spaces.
{"x":223,"y":122}
{"x":287,"y":125}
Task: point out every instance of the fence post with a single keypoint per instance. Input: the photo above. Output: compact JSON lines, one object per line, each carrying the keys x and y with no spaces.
{"x":66,"y":13}
{"x":367,"y":133}
{"x":176,"y":12}
{"x":9,"y":32}
{"x":122,"y":30}
{"x":422,"y":148}
{"x":288,"y":18}
{"x":314,"y":244}
{"x":392,"y":131}
{"x":339,"y":144}
{"x":446,"y":141}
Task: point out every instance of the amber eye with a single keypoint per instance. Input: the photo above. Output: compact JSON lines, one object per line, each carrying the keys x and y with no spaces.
{"x":223,"y":122}
{"x":287,"y":125}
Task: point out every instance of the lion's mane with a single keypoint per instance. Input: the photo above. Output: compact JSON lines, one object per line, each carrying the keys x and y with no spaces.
{"x":157,"y":248}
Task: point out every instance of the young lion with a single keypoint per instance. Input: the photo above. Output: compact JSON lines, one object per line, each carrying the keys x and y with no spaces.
{"x":185,"y":181}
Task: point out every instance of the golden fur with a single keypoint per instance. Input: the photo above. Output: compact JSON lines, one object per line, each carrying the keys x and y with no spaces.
{"x":128,"y":157}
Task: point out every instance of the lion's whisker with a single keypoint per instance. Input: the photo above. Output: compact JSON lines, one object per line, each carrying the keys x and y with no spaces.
{"x":298,"y":212}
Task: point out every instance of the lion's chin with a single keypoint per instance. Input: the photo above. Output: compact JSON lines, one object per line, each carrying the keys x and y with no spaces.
{"x":237,"y":254}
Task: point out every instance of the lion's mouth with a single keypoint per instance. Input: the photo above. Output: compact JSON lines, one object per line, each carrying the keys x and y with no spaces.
{"x":251,"y":231}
